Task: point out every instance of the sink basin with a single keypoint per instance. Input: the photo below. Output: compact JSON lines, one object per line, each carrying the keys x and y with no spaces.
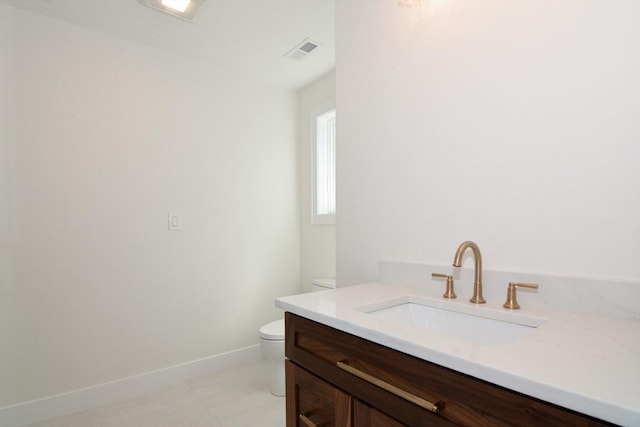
{"x":479,"y":325}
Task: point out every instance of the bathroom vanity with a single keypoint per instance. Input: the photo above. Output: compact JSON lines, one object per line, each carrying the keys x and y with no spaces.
{"x":353,"y":360}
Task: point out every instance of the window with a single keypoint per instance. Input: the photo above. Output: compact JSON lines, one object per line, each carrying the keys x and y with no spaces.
{"x":323,"y":209}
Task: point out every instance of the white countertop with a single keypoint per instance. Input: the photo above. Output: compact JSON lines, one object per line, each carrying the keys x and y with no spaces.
{"x":585,"y":362}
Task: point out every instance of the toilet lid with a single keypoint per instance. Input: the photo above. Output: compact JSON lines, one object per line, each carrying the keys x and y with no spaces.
{"x":273,"y":330}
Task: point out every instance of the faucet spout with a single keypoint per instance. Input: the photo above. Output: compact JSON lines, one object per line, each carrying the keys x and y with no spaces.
{"x":457,"y":262}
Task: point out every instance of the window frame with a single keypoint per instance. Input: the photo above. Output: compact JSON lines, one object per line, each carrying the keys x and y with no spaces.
{"x":318,"y":219}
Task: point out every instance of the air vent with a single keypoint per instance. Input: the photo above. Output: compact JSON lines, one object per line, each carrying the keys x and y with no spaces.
{"x":302,"y":49}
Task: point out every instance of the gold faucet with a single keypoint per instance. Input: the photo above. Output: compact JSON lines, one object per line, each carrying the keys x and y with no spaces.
{"x":512,"y":302}
{"x":457,"y":262}
{"x":449,"y":293}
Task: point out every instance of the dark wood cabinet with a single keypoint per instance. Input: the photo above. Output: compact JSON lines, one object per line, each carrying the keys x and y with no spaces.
{"x":312,"y":401}
{"x":367,"y":416}
{"x":338,"y":379}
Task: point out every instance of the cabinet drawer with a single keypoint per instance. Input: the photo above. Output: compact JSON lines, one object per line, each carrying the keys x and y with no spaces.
{"x":366,"y":416}
{"x":313,"y":402}
{"x":463,"y":400}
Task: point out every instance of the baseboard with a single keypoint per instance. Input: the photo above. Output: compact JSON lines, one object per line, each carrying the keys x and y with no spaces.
{"x":26,"y":413}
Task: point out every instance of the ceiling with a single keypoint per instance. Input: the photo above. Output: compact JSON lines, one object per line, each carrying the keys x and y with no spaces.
{"x":246,"y":37}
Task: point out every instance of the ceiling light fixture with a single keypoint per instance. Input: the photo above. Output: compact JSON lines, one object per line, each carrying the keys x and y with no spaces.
{"x":179,"y":5}
{"x":410,"y":3}
{"x":183,"y":9}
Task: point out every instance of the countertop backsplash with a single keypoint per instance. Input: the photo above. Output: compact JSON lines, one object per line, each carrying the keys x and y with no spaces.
{"x":597,"y":296}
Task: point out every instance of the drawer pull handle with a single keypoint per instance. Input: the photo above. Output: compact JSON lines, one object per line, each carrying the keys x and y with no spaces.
{"x":433,"y":407}
{"x":306,"y":421}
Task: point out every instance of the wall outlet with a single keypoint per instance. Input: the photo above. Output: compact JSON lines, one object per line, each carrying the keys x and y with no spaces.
{"x":175,"y":221}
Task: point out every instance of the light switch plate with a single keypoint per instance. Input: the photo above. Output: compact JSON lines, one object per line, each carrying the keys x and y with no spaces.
{"x":175,"y":221}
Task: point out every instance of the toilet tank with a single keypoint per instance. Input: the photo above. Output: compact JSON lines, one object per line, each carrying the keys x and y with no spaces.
{"x":323,"y":284}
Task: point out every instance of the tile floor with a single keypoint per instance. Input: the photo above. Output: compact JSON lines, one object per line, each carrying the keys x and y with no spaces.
{"x":238,"y":397}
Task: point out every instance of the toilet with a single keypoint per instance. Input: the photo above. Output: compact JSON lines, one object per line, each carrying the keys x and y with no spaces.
{"x":272,"y":349}
{"x":272,"y":343}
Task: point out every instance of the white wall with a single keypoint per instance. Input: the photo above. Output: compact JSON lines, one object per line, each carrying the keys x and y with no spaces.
{"x":513,"y":124}
{"x":317,"y":242}
{"x":107,"y":137}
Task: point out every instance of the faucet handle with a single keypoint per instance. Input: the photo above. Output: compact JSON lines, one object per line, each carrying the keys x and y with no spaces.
{"x":512,"y":302}
{"x":449,"y":293}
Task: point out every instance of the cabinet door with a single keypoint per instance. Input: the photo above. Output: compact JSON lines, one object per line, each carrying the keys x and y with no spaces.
{"x":313,"y":402}
{"x":367,"y":416}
